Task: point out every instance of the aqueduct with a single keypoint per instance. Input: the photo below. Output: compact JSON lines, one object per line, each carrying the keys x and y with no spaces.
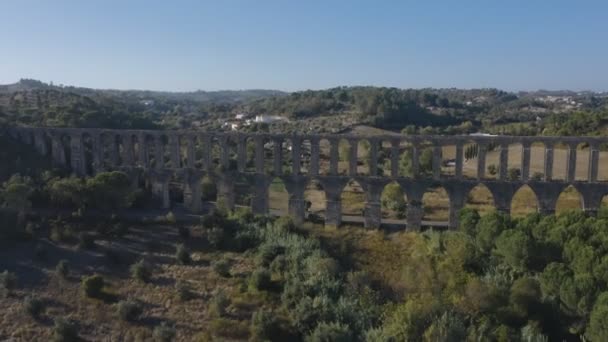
{"x":160,"y":156}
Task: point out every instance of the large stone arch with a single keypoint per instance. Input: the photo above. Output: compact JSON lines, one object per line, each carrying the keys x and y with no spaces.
{"x":524,"y":201}
{"x":480,"y":198}
{"x":569,"y":199}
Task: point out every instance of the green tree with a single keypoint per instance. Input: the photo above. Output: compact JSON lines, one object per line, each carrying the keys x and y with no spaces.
{"x":597,"y":330}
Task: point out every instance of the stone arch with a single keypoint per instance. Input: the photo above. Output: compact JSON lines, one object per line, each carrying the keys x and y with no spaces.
{"x":314,"y":195}
{"x":278,"y":197}
{"x":424,"y":149}
{"x":383,"y":158}
{"x":583,"y":150}
{"x":515,"y":151}
{"x":560,"y":161}
{"x":244,"y":190}
{"x":524,"y":202}
{"x":569,"y":199}
{"x":324,"y":156}
{"x":215,"y":152}
{"x":480,"y":198}
{"x":287,"y":156}
{"x":602,"y":172}
{"x":448,"y":159}
{"x":393,"y":202}
{"x":250,"y":154}
{"x":536,"y":170}
{"x":87,"y":152}
{"x":231,"y":145}
{"x":353,"y":199}
{"x":344,"y":155}
{"x":405,"y":151}
{"x":305,"y":151}
{"x":470,"y":160}
{"x":363,"y":155}
{"x":436,"y":204}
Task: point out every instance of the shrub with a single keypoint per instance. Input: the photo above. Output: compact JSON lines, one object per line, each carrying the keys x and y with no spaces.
{"x":62,"y":269}
{"x":215,"y":236}
{"x":265,"y":326}
{"x":170,"y":218}
{"x":184,"y":292}
{"x":163,"y":333}
{"x":182,"y":254}
{"x":267,"y":252}
{"x":33,"y":306}
{"x":218,"y":304}
{"x":64,"y":331}
{"x":86,"y":241}
{"x":129,"y":310}
{"x":92,"y":286}
{"x":141,"y":271}
{"x":285,"y":223}
{"x":8,"y":282}
{"x":330,"y":332}
{"x":260,"y":279}
{"x":222,"y":267}
{"x":492,"y":169}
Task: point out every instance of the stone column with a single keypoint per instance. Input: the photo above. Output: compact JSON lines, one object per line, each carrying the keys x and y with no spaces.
{"x":259,"y":200}
{"x":191,"y":155}
{"x":481,"y":161}
{"x":525,"y":161}
{"x":277,"y":155}
{"x":77,"y":155}
{"x":259,"y":154}
{"x":415,"y":161}
{"x":504,"y":161}
{"x":548,"y":161}
{"x":174,"y":151}
{"x":373,"y":157}
{"x":352,"y":157}
{"x":241,"y":153}
{"x":457,"y":202}
{"x":415,"y":211}
{"x":159,"y":152}
{"x":314,"y":156}
{"x":297,"y":205}
{"x":437,"y":161}
{"x":373,"y":211}
{"x":296,"y":155}
{"x":127,"y":150}
{"x":594,"y":156}
{"x":333,"y":201}
{"x":395,"y":158}
{"x":334,"y":156}
{"x":144,"y":156}
{"x":459,"y":158}
{"x":571,"y":163}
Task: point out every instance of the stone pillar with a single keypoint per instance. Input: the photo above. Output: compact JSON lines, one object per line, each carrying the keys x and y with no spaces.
{"x":241,"y":153}
{"x":97,"y":152}
{"x":504,"y":161}
{"x":352,"y":157}
{"x":414,"y":214}
{"x":77,"y":155}
{"x":594,"y":156}
{"x":296,"y":155}
{"x":525,"y":161}
{"x":549,"y":162}
{"x":333,"y":201}
{"x":144,"y":156}
{"x":333,"y":156}
{"x":193,"y":194}
{"x":395,"y":158}
{"x":457,"y":202}
{"x":481,"y":161}
{"x":191,"y":155}
{"x":373,"y":157}
{"x":297,"y":205}
{"x":259,"y":200}
{"x":571,"y":163}
{"x":259,"y":154}
{"x":207,"y":162}
{"x":226,"y":191}
{"x":127,"y":150}
{"x":174,"y":151}
{"x":437,"y":161}
{"x":415,"y":161}
{"x":314,"y":156}
{"x":159,"y":152}
{"x":58,"y":151}
{"x":373,"y":211}
{"x":459,"y":158}
{"x":547,"y":194}
{"x":277,"y":155}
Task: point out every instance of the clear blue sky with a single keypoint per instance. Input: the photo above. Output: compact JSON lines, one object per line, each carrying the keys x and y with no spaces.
{"x":306,"y":44}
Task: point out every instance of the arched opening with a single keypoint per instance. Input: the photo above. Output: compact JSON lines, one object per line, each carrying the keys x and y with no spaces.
{"x":524,"y":202}
{"x":537,"y":161}
{"x":344,"y":156}
{"x":314,"y":194}
{"x":87,"y":153}
{"x":470,"y":151}
{"x":66,"y":143}
{"x":492,"y":166}
{"x":176,"y":190}
{"x":515,"y":154}
{"x":480,"y":198}
{"x":353,"y":199}
{"x":250,"y":154}
{"x":393,"y":202}
{"x":182,"y":144}
{"x":208,"y":190}
{"x":324,"y":156}
{"x":582,"y":162}
{"x":232,"y":150}
{"x":602,"y":164}
{"x":425,"y":159}
{"x":604,"y":203}
{"x":560,"y":161}
{"x":305,"y":150}
{"x":569,"y":199}
{"x":199,"y":152}
{"x":405,"y":159}
{"x":448,"y":160}
{"x":383,"y":159}
{"x":436,"y":204}
{"x":243,"y":190}
{"x":363,"y":148}
{"x":287,"y":157}
{"x":215,"y":153}
{"x":278,"y":196}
